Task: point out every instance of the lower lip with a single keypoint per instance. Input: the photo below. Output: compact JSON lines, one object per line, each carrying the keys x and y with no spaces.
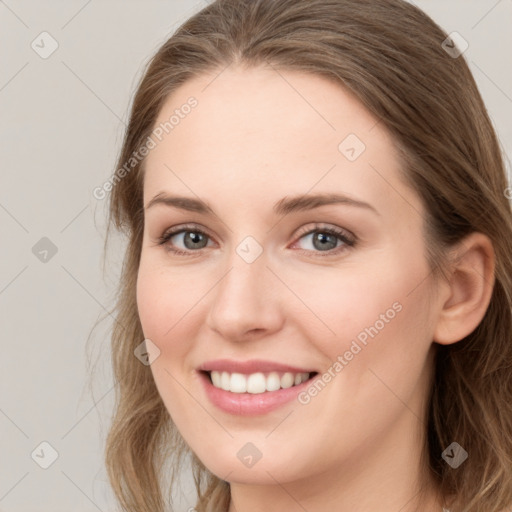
{"x":250,"y":404}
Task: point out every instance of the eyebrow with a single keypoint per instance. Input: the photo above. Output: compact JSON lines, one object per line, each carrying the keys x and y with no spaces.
{"x":282,"y":207}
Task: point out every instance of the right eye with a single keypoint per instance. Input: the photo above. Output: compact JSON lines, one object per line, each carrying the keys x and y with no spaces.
{"x":192,"y":238}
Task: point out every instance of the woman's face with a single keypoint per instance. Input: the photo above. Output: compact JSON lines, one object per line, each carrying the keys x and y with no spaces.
{"x":278,"y":275}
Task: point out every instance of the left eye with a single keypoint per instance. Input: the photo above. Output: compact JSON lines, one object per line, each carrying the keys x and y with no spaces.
{"x":323,"y":240}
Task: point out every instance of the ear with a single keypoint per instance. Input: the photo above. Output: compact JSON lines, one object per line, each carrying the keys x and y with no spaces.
{"x":469,"y":290}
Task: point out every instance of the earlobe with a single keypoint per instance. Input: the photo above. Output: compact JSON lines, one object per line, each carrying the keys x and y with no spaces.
{"x":470,"y":289}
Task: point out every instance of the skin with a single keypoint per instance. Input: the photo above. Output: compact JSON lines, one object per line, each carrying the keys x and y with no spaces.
{"x":255,"y":137}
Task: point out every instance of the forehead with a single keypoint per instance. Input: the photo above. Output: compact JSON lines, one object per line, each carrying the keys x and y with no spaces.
{"x":277,"y":132}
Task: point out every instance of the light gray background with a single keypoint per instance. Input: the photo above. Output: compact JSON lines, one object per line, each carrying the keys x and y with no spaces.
{"x":62,"y":121}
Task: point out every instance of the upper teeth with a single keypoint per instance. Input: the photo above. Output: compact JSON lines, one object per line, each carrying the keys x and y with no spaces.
{"x":256,"y":382}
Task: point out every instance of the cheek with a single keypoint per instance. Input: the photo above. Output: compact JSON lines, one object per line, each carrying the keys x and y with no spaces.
{"x":171,"y":312}
{"x":378,"y":322}
{"x":165,"y":299}
{"x":381,"y":321}
{"x":386,"y":334}
{"x":339,"y":305}
{"x":166,"y":312}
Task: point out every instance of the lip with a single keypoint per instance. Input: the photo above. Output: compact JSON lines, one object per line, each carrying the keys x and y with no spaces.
{"x":250,"y":404}
{"x":248,"y":367}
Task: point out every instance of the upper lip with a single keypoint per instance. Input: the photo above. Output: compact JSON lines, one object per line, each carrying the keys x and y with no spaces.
{"x":248,"y":367}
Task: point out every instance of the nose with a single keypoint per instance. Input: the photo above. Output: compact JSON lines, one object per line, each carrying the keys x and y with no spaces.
{"x":246,"y":303}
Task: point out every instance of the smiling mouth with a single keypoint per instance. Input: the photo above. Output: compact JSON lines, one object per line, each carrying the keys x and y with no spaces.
{"x":258,"y":382}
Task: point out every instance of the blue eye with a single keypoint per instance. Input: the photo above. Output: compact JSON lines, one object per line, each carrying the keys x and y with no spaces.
{"x":324,"y":240}
{"x":192,"y":236}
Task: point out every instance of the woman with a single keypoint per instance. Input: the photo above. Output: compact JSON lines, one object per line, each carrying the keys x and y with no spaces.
{"x":315,"y":303}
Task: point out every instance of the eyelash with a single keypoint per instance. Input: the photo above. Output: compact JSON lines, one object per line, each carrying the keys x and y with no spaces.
{"x":349,"y":241}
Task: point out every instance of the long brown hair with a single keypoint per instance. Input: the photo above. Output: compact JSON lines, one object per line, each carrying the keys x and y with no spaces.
{"x":390,"y":55}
